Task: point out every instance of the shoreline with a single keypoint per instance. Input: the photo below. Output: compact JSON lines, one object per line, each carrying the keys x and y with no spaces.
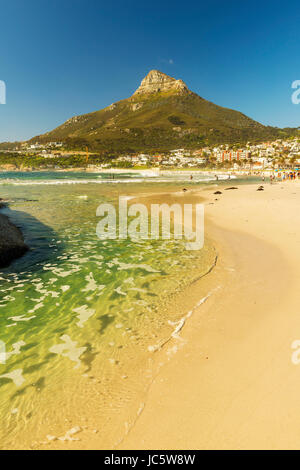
{"x":183,"y":307}
{"x":144,"y":367}
{"x":232,"y":383}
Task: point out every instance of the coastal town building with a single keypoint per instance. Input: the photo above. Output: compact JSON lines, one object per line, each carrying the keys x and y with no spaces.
{"x":263,"y":155}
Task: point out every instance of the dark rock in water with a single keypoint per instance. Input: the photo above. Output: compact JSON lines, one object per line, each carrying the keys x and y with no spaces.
{"x":232,"y":187}
{"x":218,"y":192}
{"x":12,"y":244}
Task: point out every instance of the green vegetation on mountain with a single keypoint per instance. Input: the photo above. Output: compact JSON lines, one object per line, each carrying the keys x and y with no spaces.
{"x":18,"y":161}
{"x":162,"y":114}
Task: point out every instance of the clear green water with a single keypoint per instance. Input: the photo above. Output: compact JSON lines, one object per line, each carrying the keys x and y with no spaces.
{"x":79,"y":315}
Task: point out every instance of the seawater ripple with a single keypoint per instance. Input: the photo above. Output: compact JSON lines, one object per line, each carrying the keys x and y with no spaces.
{"x":79,"y":313}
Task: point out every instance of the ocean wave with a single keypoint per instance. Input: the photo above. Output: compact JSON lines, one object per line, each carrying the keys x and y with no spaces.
{"x":121,"y":181}
{"x":16,"y":182}
{"x":29,"y":181}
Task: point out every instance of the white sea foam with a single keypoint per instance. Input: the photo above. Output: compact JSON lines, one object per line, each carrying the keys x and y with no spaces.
{"x":84,"y":313}
{"x":180,"y":324}
{"x":145,"y":267}
{"x":21,"y":318}
{"x":119,"y":291}
{"x":16,"y":376}
{"x":91,"y":283}
{"x":68,"y":349}
{"x":70,"y":433}
{"x":67,"y":436}
{"x":36,"y":307}
{"x":60,"y":272}
{"x":183,"y":177}
{"x":16,"y":349}
{"x":65,"y":288}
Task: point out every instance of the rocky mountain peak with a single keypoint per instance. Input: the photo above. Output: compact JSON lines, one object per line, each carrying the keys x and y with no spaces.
{"x":157,"y":81}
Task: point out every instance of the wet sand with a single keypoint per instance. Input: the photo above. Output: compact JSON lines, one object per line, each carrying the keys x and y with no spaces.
{"x":227,"y":380}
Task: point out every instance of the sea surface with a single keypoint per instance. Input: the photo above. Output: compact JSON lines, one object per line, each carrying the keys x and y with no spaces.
{"x":81,"y":318}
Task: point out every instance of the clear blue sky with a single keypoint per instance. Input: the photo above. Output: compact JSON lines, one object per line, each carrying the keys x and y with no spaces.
{"x":61,"y":58}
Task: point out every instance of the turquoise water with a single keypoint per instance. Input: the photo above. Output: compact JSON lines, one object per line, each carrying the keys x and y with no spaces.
{"x":61,"y":176}
{"x":80,"y":317}
{"x":76,"y":177}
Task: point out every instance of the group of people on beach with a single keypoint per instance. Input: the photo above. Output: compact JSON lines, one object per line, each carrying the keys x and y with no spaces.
{"x":283,"y":176}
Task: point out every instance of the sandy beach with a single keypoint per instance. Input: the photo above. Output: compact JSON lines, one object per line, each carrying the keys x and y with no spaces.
{"x":228,"y":380}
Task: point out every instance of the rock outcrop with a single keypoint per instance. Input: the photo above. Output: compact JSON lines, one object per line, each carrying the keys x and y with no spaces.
{"x":157,"y":81}
{"x":12,"y":244}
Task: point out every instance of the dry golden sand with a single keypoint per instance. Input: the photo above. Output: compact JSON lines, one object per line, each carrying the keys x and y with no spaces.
{"x":232,"y":383}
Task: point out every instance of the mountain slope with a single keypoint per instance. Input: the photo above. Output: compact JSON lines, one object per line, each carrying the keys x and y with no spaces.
{"x":162,"y":114}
